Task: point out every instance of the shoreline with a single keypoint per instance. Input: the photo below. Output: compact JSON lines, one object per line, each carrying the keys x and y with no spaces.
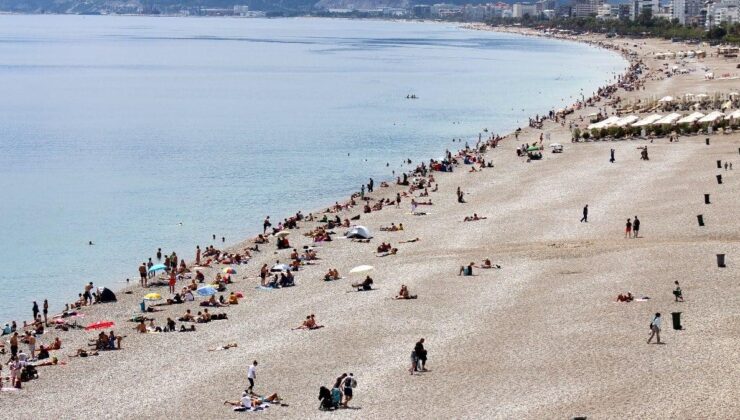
{"x":445,"y":341}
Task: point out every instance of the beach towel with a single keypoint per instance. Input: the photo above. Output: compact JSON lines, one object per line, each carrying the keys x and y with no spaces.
{"x":265,"y":288}
{"x":261,"y":407}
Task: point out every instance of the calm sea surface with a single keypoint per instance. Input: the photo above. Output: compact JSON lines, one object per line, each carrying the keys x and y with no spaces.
{"x":137,"y":133}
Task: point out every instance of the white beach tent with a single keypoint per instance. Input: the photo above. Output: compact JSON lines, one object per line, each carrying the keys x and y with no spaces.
{"x":734,"y":116}
{"x":627,"y":120}
{"x":359,"y":232}
{"x":690,"y":118}
{"x":712,"y":116}
{"x":669,"y":119}
{"x":647,"y":120}
{"x":604,"y":123}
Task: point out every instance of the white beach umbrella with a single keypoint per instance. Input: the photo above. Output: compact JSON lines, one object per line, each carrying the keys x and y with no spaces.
{"x":627,"y":120}
{"x":666,"y":99}
{"x":734,"y":116}
{"x":360,"y":232}
{"x":701,"y":96}
{"x":604,"y":123}
{"x":727,"y":104}
{"x":282,"y":234}
{"x":712,"y":116}
{"x":361,"y":269}
{"x":690,"y":118}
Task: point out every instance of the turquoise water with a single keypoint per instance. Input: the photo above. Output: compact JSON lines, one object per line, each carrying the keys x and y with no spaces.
{"x":137,"y":133}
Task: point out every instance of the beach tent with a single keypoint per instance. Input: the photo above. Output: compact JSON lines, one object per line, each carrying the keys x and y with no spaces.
{"x":712,"y":116}
{"x":106,"y":295}
{"x":690,"y":118}
{"x":734,"y":116}
{"x":627,"y":120}
{"x":359,"y":232}
{"x":647,"y":120}
{"x":604,"y":123}
{"x":666,"y":99}
{"x":669,"y":119}
{"x":280,"y":267}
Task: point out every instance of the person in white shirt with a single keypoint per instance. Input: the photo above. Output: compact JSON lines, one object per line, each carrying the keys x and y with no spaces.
{"x":251,"y":376}
{"x":655,"y":328}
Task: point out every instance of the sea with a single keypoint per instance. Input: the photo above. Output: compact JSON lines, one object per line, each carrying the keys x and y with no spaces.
{"x":138,"y":133}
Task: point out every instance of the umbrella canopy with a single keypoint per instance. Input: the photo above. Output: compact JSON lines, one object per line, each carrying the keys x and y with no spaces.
{"x":153,"y":296}
{"x":282,"y":234}
{"x":666,"y":99}
{"x":734,"y":116}
{"x":647,"y":120}
{"x":157,"y":267}
{"x":100,"y":325}
{"x":690,"y":118}
{"x":206,"y":291}
{"x":280,"y":267}
{"x":701,"y":96}
{"x":361,"y":269}
{"x":229,"y":270}
{"x":727,"y":105}
{"x":604,"y":123}
{"x":712,"y":116}
{"x":556,"y":145}
{"x":533,"y":148}
{"x":360,"y":232}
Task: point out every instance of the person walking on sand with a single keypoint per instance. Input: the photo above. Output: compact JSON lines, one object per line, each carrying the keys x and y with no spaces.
{"x":678,"y":293}
{"x":655,"y":328}
{"x":611,"y":159}
{"x":636,"y":226}
{"x":348,"y":383}
{"x":628,"y":229}
{"x":585,"y":214}
{"x":142,"y":275}
{"x":251,"y":376}
{"x":421,"y":355}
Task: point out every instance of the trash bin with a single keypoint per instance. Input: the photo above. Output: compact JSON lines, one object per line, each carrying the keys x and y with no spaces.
{"x":707,"y":140}
{"x":719,"y":164}
{"x":701,"y":219}
{"x":719,"y":179}
{"x":676,"y":320}
{"x":706,"y":199}
{"x":721,"y":260}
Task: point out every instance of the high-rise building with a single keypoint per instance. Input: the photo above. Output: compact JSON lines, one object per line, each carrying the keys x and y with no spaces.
{"x":519,"y":10}
{"x":639,"y":6}
{"x":583,"y":8}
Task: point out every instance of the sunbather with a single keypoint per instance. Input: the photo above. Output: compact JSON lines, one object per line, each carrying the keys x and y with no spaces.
{"x":309,"y":324}
{"x":224,"y":347}
{"x":404,"y":293}
{"x":366,"y":284}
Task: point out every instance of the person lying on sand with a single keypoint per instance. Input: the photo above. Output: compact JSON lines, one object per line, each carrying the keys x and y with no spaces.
{"x":366,"y":284}
{"x":252,"y":401}
{"x":309,"y":324}
{"x":487,"y":264}
{"x":410,"y":241}
{"x":474,"y":218}
{"x":404,"y":293}
{"x":52,"y":362}
{"x":392,"y":251}
{"x":224,"y":347}
{"x":625,"y":297}
{"x":467,"y":271}
{"x":84,"y":353}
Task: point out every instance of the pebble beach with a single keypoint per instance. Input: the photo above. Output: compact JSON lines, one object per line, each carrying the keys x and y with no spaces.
{"x":540,"y":337}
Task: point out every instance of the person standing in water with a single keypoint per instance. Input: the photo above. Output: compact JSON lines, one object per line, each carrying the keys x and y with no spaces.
{"x":370,"y":185}
{"x":35,"y":311}
{"x":46,"y":312}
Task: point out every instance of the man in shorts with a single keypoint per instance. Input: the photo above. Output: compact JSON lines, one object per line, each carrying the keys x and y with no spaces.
{"x":251,"y":376}
{"x":142,"y":274}
{"x":347,"y":384}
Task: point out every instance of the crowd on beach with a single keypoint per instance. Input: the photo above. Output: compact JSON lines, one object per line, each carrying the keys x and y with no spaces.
{"x":187,"y":283}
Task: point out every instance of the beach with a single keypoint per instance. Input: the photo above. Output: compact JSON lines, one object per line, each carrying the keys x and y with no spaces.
{"x":541,"y":337}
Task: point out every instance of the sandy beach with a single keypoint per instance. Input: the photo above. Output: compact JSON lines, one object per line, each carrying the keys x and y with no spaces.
{"x":541,"y":337}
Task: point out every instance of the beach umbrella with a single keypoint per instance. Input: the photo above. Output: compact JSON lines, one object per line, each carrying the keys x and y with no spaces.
{"x":690,"y":118}
{"x":157,"y":267}
{"x":229,"y":270}
{"x":711,"y":117}
{"x":532,"y":148}
{"x":360,"y":232}
{"x":361,"y":269}
{"x":735,"y":115}
{"x":153,"y":296}
{"x":206,"y":291}
{"x":727,"y":105}
{"x":280,"y":267}
{"x":627,"y":120}
{"x":100,"y":325}
{"x":555,"y":145}
{"x":666,"y":99}
{"x":282,"y":234}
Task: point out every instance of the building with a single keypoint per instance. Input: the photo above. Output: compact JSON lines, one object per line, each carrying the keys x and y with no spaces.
{"x":421,"y":11}
{"x":519,"y":10}
{"x":584,"y":8}
{"x":640,"y":6}
{"x":444,"y":11}
{"x":724,"y":11}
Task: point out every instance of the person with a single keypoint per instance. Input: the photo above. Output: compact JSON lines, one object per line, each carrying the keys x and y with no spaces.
{"x":325,"y":399}
{"x":35,"y":310}
{"x":636,"y":226}
{"x":625,"y":298}
{"x":655,"y":328}
{"x":466,"y":271}
{"x":14,"y":344}
{"x":31,"y":340}
{"x":309,"y":324}
{"x":347,"y":384}
{"x":628,"y":229}
{"x":366,"y":284}
{"x":141,"y":328}
{"x":266,"y":224}
{"x":611,"y":159}
{"x":142,"y":274}
{"x":224,"y":347}
{"x":251,"y":376}
{"x":678,"y":293}
{"x":421,"y":355}
{"x":15,"y":371}
{"x":404,"y":293}
{"x":46,"y":312}
{"x":585,"y":214}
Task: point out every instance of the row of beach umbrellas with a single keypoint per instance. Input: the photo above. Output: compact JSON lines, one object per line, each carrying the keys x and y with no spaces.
{"x":658,"y":119}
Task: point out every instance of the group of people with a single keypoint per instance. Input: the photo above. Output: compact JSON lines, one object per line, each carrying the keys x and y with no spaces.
{"x":340,"y":394}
